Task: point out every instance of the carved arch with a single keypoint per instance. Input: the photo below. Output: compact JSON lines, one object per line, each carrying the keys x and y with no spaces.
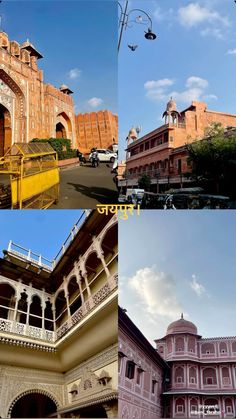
{"x":26,"y":392}
{"x":9,"y":80}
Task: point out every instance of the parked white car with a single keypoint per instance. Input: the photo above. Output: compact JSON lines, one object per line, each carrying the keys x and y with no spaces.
{"x":105,"y":155}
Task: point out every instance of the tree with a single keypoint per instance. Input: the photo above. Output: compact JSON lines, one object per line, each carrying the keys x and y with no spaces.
{"x":213,"y":159}
{"x":144,"y":182}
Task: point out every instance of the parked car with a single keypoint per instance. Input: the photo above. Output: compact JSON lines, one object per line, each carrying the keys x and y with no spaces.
{"x":104,"y":155}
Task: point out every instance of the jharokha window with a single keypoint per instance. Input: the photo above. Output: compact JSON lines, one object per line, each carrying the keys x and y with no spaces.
{"x":130,"y":369}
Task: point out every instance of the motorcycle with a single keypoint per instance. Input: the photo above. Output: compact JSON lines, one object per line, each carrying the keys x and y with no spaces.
{"x":94,"y":161}
{"x":82,"y":159}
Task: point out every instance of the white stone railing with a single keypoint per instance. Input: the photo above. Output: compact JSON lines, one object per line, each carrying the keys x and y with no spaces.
{"x":26,"y":330}
{"x":10,"y":326}
{"x":92,"y":302}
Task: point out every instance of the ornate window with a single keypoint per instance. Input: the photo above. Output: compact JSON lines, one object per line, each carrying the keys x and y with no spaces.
{"x":179,"y":406}
{"x":179,"y":375}
{"x":130,"y":369}
{"x":209,"y":376}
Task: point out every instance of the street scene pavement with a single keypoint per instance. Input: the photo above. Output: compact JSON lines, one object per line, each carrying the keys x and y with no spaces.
{"x":86,"y":186}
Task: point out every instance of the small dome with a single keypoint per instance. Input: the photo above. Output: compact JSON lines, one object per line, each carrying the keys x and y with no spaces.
{"x":133,"y":133}
{"x":181,"y":326}
{"x":171,"y":105}
{"x":63,"y":87}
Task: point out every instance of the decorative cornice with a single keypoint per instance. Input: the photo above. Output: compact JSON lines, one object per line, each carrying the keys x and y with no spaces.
{"x":113,"y":395}
{"x":24,"y":344}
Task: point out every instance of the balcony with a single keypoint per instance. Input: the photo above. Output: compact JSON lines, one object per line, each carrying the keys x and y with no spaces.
{"x":92,"y":303}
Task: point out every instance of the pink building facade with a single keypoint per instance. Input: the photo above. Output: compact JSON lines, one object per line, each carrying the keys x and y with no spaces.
{"x":203,"y":373}
{"x":142,"y":373}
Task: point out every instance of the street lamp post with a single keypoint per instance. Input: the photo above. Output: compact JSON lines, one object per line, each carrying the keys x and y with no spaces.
{"x":124,"y":21}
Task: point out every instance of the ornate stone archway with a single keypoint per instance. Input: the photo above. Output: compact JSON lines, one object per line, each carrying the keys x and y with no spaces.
{"x":5,"y":129}
{"x":33,"y":392}
{"x":13,"y":100}
{"x":63,"y":126}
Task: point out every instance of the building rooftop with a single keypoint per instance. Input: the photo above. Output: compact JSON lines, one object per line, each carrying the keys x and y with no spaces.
{"x":181,"y":326}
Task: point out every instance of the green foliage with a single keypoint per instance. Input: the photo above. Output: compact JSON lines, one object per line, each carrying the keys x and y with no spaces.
{"x":61,"y":145}
{"x":144,"y":182}
{"x":213,"y":159}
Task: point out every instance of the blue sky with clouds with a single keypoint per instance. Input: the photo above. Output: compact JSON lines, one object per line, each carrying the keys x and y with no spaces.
{"x":41,"y":231}
{"x":172,"y":262}
{"x":78,"y":41}
{"x":193,"y":58}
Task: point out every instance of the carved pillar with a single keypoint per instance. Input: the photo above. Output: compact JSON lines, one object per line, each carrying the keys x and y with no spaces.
{"x":84,"y":274}
{"x":18,"y":297}
{"x":28,"y":309}
{"x":68,"y":305}
{"x":78,"y":280}
{"x":43,"y":306}
{"x":54,"y":315}
{"x":86,"y":283}
{"x":100,"y":254}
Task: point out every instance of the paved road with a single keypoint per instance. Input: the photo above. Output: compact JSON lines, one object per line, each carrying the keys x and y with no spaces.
{"x":85,"y":187}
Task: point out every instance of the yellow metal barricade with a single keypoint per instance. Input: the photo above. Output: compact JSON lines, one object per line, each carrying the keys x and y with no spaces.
{"x":34,"y":175}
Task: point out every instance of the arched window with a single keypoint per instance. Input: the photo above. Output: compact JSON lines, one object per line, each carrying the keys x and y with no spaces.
{"x":228,"y":406}
{"x":48,"y":314}
{"x":225,"y":375}
{"x":179,"y":405}
{"x":234,"y":347}
{"x":208,"y":349}
{"x":179,"y":344}
{"x":22,"y":308}
{"x":223,"y":348}
{"x":191,"y":344}
{"x":209,"y":376}
{"x":35,"y":318}
{"x":192,"y":375}
{"x":194,"y":406}
{"x":7,"y":301}
{"x":179,"y":375}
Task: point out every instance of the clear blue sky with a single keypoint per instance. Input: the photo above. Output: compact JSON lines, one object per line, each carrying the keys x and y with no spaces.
{"x":172,"y":262}
{"x":71,"y":35}
{"x":41,"y":231}
{"x":196,"y":38}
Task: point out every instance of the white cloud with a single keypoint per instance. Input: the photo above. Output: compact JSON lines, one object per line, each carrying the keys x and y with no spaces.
{"x":194,"y":81}
{"x":209,"y":97}
{"x":153,"y":84}
{"x":156,"y":292}
{"x":74,"y":73}
{"x":160,"y":15}
{"x":195,"y":89}
{"x":231,"y":51}
{"x":95,"y":102}
{"x":198,"y":288}
{"x":215,"y":32}
{"x":194,"y":14}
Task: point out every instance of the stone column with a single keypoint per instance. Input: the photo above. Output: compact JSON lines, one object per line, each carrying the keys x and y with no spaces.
{"x":18,"y":296}
{"x":67,"y":305}
{"x":86,"y":283}
{"x":78,"y":280}
{"x":28,"y":309}
{"x":100,"y":254}
{"x":54,"y":315}
{"x":84,"y":274}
